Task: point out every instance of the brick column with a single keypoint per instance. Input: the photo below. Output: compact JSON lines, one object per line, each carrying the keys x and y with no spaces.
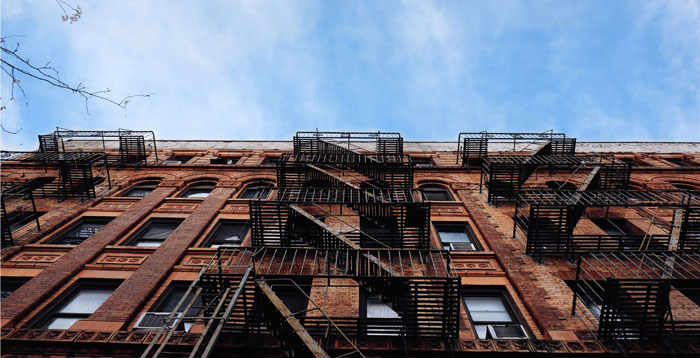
{"x":128,"y":299}
{"x":528,"y":278}
{"x":48,"y":281}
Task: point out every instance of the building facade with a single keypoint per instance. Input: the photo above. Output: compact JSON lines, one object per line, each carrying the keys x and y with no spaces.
{"x":349,"y":244}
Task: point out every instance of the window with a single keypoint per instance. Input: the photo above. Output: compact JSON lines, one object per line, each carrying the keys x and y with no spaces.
{"x":377,"y":234}
{"x":560,"y":185}
{"x":382,"y":320}
{"x":83,"y":230}
{"x":18,"y":219}
{"x":679,"y":162}
{"x":228,"y":161}
{"x":456,"y":236}
{"x":612,"y":226}
{"x":422,"y":162}
{"x":260,"y":191}
{"x":295,"y":298}
{"x":141,"y":190}
{"x":227,"y":233}
{"x":271,"y":161}
{"x":167,"y":304}
{"x":198,"y":191}
{"x":436,"y":193}
{"x":177,"y":159}
{"x":493,"y":316}
{"x":11,"y":284}
{"x":155,"y":232}
{"x":79,"y":304}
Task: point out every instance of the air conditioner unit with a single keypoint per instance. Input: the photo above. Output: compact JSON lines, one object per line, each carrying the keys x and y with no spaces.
{"x":154,"y":320}
{"x":462,"y":246}
{"x":507,"y":331}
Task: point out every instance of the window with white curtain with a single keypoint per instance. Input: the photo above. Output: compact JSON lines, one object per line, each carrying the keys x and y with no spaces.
{"x":83,"y":301}
{"x":492,"y":316}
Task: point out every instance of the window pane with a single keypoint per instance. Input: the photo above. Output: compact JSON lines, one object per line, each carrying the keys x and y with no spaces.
{"x":481,"y":330}
{"x":159,"y":230}
{"x":378,"y":309}
{"x":86,"y":301}
{"x":228,"y":234}
{"x":437,"y":195}
{"x":148,"y":243}
{"x":487,"y":309}
{"x":453,"y":235}
{"x":197,"y":193}
{"x":62,"y":322}
{"x":85,"y":230}
{"x":138,"y":192}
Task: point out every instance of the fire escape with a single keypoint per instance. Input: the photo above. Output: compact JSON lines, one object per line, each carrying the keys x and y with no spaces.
{"x":341,"y":219}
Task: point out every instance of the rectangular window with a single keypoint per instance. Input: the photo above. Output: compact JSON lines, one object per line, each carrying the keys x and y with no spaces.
{"x":493,"y":316}
{"x":156,"y":318}
{"x":227,"y":233}
{"x":155,"y":232}
{"x":175,"y":159}
{"x":434,"y":193}
{"x":228,"y":161}
{"x":82,"y":231}
{"x":456,"y":237}
{"x":255,"y":192}
{"x":80,"y":303}
{"x":271,"y":161}
{"x":140,"y":191}
{"x":422,"y":162}
{"x":382,"y":320}
{"x":11,"y":284}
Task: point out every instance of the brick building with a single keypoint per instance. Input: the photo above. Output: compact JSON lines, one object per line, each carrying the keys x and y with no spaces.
{"x":349,"y":244}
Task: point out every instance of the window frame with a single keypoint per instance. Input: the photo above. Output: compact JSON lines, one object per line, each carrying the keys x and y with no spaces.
{"x":420,"y":162}
{"x":197,"y":186}
{"x":510,"y":307}
{"x":51,"y":312}
{"x":76,"y":225}
{"x":436,"y":188}
{"x":178,"y":159}
{"x":267,"y":189}
{"x":152,"y":185}
{"x":376,"y":328}
{"x":467,"y":229}
{"x":15,"y":282}
{"x":209,"y":239}
{"x":133,"y":239}
{"x":226,"y":161}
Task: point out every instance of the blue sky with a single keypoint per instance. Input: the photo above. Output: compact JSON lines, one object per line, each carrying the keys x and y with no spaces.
{"x":597,"y":70}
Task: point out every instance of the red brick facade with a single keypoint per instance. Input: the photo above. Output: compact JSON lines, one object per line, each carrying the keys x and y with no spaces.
{"x":537,"y":292}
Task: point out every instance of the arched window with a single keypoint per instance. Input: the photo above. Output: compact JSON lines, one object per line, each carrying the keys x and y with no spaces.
{"x":435,"y":192}
{"x":258,"y":190}
{"x":198,"y":190}
{"x":141,"y":189}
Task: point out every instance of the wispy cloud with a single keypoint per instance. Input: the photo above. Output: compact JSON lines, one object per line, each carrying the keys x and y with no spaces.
{"x":241,"y":70}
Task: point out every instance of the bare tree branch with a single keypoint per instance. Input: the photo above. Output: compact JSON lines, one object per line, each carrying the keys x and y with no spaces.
{"x":15,"y":66}
{"x":75,"y":16}
{"x":9,"y":131}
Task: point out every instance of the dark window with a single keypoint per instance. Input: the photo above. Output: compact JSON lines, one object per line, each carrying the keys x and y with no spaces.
{"x":456,"y":236}
{"x":81,"y":231}
{"x":155,"y":232}
{"x":382,"y":320}
{"x":227,"y":233}
{"x":294,"y":296}
{"x":141,"y":190}
{"x":229,"y":161}
{"x":177,"y":159}
{"x":612,"y":226}
{"x":80,"y":303}
{"x":436,"y":193}
{"x":679,"y":162}
{"x":18,"y":219}
{"x":271,"y":161}
{"x":156,"y":317}
{"x":492,"y":315}
{"x":376,"y":235}
{"x":560,"y":185}
{"x":256,"y":192}
{"x":11,"y":284}
{"x":422,"y":162}
{"x":198,"y":191}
